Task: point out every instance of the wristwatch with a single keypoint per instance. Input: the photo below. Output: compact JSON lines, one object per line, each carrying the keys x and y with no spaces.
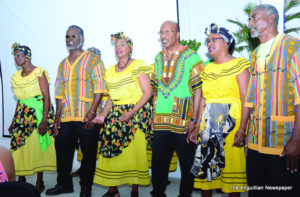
{"x":193,"y":120}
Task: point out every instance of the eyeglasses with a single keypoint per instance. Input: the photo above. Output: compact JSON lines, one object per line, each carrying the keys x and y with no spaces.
{"x":18,"y":54}
{"x":213,"y":40}
{"x":71,"y":36}
{"x":168,"y":32}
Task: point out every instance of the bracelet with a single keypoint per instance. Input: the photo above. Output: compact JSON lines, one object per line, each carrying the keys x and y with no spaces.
{"x":197,"y":125}
{"x":241,"y":131}
{"x":193,"y":120}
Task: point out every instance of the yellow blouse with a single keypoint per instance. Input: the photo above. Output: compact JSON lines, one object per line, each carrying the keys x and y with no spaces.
{"x":220,"y":84}
{"x":124,"y":87}
{"x":28,"y":86}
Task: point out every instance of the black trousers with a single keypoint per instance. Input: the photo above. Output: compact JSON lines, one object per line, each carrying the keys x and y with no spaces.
{"x":65,"y":143}
{"x":164,"y":143}
{"x":267,"y":176}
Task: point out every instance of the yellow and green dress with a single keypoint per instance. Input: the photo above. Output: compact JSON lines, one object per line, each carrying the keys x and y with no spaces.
{"x":217,"y":164}
{"x":31,"y":152}
{"x":123,"y":156}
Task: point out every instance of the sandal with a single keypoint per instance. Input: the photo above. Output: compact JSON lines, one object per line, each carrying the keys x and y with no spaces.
{"x":111,"y":194}
{"x":40,"y":187}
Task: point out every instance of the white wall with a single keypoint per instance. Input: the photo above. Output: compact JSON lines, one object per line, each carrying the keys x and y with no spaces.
{"x":42,"y":24}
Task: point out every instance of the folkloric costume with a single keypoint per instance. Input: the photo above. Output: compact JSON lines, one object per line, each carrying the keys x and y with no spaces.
{"x":123,"y":157}
{"x":217,"y":163}
{"x":273,"y":93}
{"x":31,"y":152}
{"x":174,"y":80}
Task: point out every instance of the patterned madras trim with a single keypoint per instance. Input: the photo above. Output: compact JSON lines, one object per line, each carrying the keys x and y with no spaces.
{"x":169,"y":123}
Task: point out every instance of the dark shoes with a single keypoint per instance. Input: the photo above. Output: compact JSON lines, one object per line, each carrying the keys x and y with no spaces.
{"x":59,"y":189}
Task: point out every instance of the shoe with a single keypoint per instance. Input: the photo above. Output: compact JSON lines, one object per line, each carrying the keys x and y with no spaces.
{"x":135,"y":194}
{"x":59,"y":189}
{"x":85,"y":191}
{"x":40,"y":187}
{"x":111,"y":194}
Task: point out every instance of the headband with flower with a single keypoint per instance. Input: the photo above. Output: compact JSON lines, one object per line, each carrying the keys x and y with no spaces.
{"x":121,"y":36}
{"x":24,"y":49}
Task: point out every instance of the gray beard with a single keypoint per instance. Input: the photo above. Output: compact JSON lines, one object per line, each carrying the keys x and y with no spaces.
{"x":255,"y":35}
{"x":75,"y":47}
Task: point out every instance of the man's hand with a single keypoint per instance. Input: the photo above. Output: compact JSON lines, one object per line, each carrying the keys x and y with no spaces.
{"x":43,"y":127}
{"x":190,"y":127}
{"x":88,"y":119}
{"x":56,"y":125}
{"x":10,"y":128}
{"x":292,"y":153}
{"x":193,"y":136}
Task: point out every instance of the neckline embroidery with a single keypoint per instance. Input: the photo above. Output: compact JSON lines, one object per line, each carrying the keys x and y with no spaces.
{"x":177,"y":62}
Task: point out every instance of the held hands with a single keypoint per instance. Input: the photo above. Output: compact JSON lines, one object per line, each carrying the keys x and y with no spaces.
{"x":88,"y":119}
{"x":292,"y":153}
{"x":192,"y":132}
{"x":56,"y":125}
{"x":99,"y":120}
{"x":127,"y":116}
{"x":43,"y":127}
{"x":239,"y":138}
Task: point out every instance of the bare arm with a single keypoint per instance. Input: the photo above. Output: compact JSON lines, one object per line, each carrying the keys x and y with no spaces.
{"x":193,"y":136}
{"x":44,"y":86}
{"x":57,"y":116}
{"x":100,"y":119}
{"x":90,"y":115}
{"x":8,"y":163}
{"x":243,"y":82}
{"x":292,"y":148}
{"x":144,"y":81}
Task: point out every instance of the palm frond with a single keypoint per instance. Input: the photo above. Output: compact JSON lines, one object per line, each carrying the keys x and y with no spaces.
{"x":289,"y":17}
{"x":249,"y":7}
{"x":296,"y":30}
{"x":291,"y":4}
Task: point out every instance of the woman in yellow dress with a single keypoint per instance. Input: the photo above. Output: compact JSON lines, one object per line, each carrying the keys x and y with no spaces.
{"x":220,"y":161}
{"x":127,"y":120}
{"x":32,"y":144}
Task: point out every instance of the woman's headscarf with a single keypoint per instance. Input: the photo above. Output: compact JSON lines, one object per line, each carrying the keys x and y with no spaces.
{"x":223,"y":32}
{"x":24,"y":49}
{"x":121,"y":36}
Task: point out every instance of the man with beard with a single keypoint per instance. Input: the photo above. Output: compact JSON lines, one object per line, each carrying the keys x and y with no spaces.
{"x":78,"y":90}
{"x":274,"y":94}
{"x":177,"y":82}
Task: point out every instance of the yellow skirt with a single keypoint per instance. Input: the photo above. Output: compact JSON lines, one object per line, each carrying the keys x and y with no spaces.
{"x":130,"y":167}
{"x":233,"y":176}
{"x":29,"y":158}
{"x":173,"y":163}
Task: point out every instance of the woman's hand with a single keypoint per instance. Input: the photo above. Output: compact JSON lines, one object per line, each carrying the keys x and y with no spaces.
{"x":239,"y":138}
{"x":126,"y":116}
{"x":99,"y":120}
{"x":43,"y":127}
